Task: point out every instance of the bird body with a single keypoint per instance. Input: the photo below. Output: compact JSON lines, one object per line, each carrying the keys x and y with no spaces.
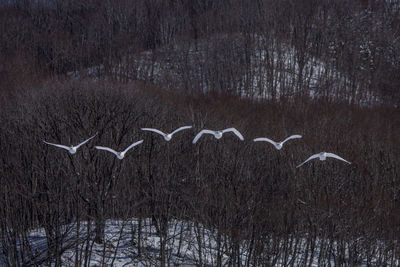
{"x":71,"y":149}
{"x":119,"y":155}
{"x":218,"y":134}
{"x":322,"y":156}
{"x":278,"y":145}
{"x":167,"y":137}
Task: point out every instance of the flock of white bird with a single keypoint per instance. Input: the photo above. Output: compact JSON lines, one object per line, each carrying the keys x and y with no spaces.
{"x":217,"y":134}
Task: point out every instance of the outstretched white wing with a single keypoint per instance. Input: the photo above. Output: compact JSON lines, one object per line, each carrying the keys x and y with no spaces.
{"x":264,"y":139}
{"x":154,"y":130}
{"x":57,"y":145}
{"x":180,"y":129}
{"x":87,"y":140}
{"x":201,"y":133}
{"x":107,"y":149}
{"x":292,"y":137}
{"x":134,"y":144}
{"x":310,"y":158}
{"x":235,"y":132}
{"x":336,"y":157}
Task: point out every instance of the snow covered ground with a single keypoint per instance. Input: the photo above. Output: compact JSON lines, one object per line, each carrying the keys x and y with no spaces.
{"x":259,"y":73}
{"x":120,"y":248}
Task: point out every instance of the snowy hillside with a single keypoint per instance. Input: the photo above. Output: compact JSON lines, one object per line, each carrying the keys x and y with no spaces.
{"x":268,"y":70}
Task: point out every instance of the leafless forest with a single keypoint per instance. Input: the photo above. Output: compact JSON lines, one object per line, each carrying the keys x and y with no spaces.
{"x":328,"y":70}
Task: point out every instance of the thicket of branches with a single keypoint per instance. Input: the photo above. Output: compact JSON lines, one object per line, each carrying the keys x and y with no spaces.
{"x":248,"y":193}
{"x":328,"y":70}
{"x":347,"y":50}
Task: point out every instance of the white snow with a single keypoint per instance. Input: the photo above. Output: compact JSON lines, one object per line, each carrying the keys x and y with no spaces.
{"x":120,"y":247}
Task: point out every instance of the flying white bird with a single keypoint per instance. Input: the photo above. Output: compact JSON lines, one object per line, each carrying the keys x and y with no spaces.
{"x":278,"y":145}
{"x":218,"y":134}
{"x":323,"y":156}
{"x":120,"y":155}
{"x":71,"y":149}
{"x":167,"y":137}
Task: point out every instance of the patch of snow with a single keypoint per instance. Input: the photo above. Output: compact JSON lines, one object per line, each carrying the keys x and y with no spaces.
{"x":189,"y":244}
